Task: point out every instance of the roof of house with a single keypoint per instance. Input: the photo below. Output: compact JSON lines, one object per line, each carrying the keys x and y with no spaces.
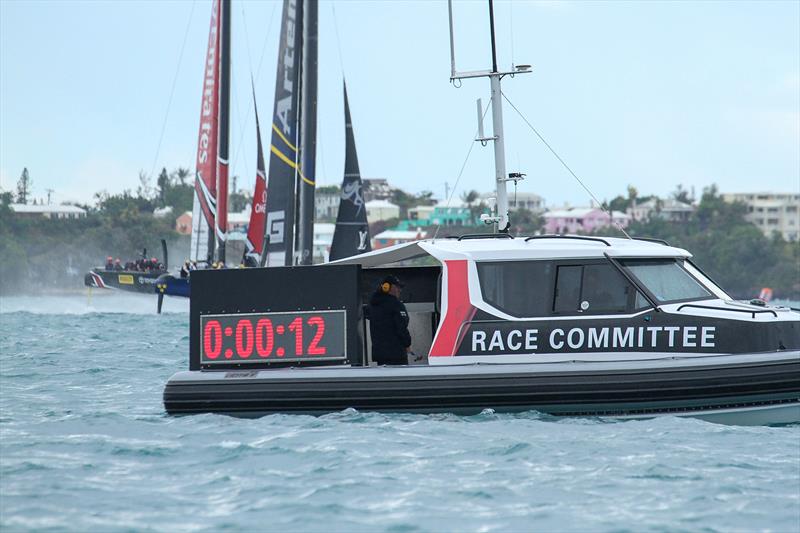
{"x":379,"y":204}
{"x":400,"y":234}
{"x":580,"y":212}
{"x":668,"y":204}
{"x":42,"y":209}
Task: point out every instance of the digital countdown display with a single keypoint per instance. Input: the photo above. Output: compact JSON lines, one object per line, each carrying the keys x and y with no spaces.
{"x":272,"y":337}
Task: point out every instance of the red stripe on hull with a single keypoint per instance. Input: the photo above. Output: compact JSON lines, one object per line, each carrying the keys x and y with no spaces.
{"x":459,"y":310}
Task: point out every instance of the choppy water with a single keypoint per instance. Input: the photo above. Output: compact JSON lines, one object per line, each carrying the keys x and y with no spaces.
{"x":85,"y":445}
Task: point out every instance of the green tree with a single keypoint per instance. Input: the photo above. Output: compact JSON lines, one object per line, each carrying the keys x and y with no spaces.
{"x":180,"y":174}
{"x":24,"y":186}
{"x":163,"y":184}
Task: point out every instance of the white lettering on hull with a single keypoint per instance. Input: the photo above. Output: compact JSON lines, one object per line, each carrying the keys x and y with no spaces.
{"x":603,"y":338}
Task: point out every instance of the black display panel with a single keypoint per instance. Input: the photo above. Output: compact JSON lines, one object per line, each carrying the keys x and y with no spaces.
{"x":281,"y":294}
{"x":265,"y":337}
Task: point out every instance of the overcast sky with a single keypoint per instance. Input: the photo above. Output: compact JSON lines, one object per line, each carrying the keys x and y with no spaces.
{"x":653,"y":94}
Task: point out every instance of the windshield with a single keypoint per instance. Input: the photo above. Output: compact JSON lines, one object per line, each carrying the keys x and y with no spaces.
{"x":667,"y":280}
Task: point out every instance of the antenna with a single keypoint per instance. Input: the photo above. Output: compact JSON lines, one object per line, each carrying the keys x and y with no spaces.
{"x":494,"y":75}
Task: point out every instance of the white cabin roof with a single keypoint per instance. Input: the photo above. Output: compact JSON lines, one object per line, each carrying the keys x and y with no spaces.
{"x":555,"y":247}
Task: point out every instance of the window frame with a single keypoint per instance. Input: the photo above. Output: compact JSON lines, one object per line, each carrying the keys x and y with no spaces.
{"x":677,"y":260}
{"x":630,"y":304}
{"x":552,"y":281}
{"x":548,"y":289}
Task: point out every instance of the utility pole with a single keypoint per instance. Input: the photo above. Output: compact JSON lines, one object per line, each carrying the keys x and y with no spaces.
{"x":49,"y":192}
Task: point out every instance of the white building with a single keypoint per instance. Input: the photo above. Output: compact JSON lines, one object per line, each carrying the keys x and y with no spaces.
{"x":519,"y":200}
{"x":669,"y":209}
{"x":381,"y":210}
{"x":48,"y":211}
{"x":771,"y":212}
{"x":161,"y":212}
{"x":239,"y":221}
{"x":326,"y":204}
{"x":392,"y":237}
{"x":421,"y":214}
{"x":323,"y":238}
{"x":377,"y":189}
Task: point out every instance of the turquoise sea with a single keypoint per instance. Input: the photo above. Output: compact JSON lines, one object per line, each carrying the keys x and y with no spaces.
{"x":85,"y":445}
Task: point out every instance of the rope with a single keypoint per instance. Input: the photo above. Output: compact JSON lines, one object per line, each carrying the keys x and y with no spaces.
{"x":258,"y":71}
{"x":460,"y":172}
{"x":172,"y":90}
{"x":610,"y":217}
{"x":338,"y":41}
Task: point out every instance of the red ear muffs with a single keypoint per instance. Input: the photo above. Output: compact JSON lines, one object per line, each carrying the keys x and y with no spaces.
{"x":385,"y":286}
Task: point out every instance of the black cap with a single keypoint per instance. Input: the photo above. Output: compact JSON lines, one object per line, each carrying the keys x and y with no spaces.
{"x":392,"y":280}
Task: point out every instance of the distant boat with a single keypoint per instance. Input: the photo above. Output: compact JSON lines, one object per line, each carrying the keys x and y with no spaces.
{"x":120,"y":276}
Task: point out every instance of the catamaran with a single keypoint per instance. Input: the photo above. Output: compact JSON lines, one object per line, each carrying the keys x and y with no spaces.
{"x":567,"y":325}
{"x":132,"y":276}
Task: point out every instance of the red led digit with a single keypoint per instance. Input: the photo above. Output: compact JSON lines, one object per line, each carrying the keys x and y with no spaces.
{"x":314,"y":348}
{"x":264,"y":337}
{"x":296,"y":327}
{"x":244,"y":338}
{"x":212,"y":339}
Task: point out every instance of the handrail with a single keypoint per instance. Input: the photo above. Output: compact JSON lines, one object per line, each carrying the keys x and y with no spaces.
{"x":470,"y":236}
{"x":649,"y":239}
{"x":753,"y":311}
{"x":576,"y":237}
{"x":632,"y":281}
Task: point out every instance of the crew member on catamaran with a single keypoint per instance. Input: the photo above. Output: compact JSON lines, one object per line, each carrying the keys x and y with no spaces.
{"x":391,"y":341}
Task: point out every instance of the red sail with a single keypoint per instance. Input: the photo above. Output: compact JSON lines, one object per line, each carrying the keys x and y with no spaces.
{"x":255,"y":231}
{"x":205,"y":200}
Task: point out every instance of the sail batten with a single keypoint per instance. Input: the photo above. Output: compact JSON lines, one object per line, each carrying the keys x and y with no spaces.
{"x":351,"y":234}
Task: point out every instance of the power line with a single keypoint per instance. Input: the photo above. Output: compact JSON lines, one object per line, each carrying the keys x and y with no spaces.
{"x":564,"y":164}
{"x":172,"y":90}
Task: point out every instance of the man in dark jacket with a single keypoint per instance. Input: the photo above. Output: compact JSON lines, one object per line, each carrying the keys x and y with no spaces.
{"x":388,"y":323}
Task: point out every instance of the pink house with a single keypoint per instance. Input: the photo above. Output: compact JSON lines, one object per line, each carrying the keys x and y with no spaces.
{"x":581,"y":220}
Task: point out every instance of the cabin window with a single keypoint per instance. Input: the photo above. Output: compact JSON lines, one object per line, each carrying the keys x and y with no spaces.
{"x":593,"y":289}
{"x":667,"y":280}
{"x":519,"y":288}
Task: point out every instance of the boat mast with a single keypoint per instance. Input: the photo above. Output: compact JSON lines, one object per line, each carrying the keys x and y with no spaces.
{"x":494,"y":75}
{"x":224,"y":130}
{"x":307,"y":152}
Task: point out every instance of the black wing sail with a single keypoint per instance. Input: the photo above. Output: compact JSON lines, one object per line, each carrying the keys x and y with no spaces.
{"x":283,"y":155}
{"x":351,"y":236}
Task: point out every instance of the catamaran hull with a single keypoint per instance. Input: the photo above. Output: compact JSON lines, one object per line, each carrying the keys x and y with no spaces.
{"x":143,"y":282}
{"x":170,"y":285}
{"x":737,"y":389}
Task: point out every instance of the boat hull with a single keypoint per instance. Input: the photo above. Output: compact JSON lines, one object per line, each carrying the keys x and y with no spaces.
{"x":170,"y":285}
{"x":131,"y":281}
{"x":750,"y":388}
